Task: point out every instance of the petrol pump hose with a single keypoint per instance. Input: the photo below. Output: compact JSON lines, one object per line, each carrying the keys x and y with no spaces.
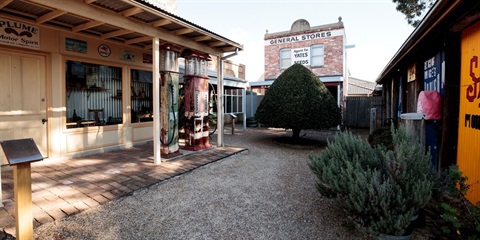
{"x":170,"y":138}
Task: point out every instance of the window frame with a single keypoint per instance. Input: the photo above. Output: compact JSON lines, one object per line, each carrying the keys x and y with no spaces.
{"x":320,"y":55}
{"x":138,"y":99}
{"x":68,"y":91}
{"x":289,"y":51}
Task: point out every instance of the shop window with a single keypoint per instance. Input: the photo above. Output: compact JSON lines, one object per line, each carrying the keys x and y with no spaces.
{"x":317,"y":55}
{"x":234,"y":101}
{"x":93,"y":94}
{"x":285,"y":58}
{"x":141,"y":95}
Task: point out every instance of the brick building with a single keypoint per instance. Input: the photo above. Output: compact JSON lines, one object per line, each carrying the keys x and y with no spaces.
{"x":319,"y":48}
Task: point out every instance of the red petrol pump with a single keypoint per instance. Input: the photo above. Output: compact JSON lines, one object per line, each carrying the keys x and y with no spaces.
{"x":169,"y":76}
{"x":196,"y":100}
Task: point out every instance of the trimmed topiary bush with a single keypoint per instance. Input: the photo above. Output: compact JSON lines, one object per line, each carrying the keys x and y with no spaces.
{"x":381,"y":189}
{"x":298,"y":100}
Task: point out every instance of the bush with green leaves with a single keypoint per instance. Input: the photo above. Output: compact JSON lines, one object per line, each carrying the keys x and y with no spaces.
{"x":298,"y":100}
{"x":382,"y":136}
{"x":451,"y":215}
{"x":381,"y":189}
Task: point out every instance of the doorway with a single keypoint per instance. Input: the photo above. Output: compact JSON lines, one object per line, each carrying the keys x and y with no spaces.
{"x":23,"y":103}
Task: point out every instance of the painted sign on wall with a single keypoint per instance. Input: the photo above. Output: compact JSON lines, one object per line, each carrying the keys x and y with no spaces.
{"x":305,"y":37}
{"x":469,"y":114}
{"x":19,"y":34}
{"x":433,"y":69}
{"x":301,"y":56}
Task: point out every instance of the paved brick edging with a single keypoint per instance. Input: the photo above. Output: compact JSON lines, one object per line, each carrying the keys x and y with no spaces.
{"x":64,"y":188}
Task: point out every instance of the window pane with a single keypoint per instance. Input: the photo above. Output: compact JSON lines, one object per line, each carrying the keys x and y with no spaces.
{"x":92,"y":94}
{"x":317,"y":55}
{"x":317,"y":50}
{"x":317,"y":61}
{"x":141,"y":98}
{"x":285,"y":61}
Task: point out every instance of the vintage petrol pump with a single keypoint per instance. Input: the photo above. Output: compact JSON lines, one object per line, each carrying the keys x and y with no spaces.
{"x":169,"y":100}
{"x":196,"y":100}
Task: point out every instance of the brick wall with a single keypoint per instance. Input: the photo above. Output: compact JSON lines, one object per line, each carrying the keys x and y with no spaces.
{"x":333,"y":50}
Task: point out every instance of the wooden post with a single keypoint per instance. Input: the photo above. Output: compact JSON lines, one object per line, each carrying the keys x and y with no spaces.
{"x":1,"y":196}
{"x":23,"y":200}
{"x":156,"y":101}
{"x":20,"y":154}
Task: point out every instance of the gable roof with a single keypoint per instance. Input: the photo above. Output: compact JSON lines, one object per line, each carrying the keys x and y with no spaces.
{"x":446,"y":16}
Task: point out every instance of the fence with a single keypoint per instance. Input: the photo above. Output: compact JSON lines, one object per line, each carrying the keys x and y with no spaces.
{"x":252,"y":104}
{"x":357,"y":113}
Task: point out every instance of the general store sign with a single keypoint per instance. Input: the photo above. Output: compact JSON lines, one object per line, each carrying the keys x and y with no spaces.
{"x":304,"y":37}
{"x":301,"y":56}
{"x":19,"y":34}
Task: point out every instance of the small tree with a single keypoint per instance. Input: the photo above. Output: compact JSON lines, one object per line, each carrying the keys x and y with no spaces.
{"x":414,"y":10}
{"x":298,"y":100}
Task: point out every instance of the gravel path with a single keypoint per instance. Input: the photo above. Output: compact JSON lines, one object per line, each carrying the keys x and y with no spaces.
{"x":266,"y":193}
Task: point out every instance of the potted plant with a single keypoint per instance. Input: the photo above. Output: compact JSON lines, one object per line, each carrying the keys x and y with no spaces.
{"x":380,"y":189}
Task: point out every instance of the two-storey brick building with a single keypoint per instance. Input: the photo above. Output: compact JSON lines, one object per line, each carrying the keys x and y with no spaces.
{"x":319,"y":48}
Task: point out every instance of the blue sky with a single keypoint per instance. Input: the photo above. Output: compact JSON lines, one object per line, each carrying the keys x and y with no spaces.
{"x":374,"y":26}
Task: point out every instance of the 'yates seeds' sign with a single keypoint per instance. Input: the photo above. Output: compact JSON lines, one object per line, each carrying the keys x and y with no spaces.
{"x":19,"y":34}
{"x":301,"y":56}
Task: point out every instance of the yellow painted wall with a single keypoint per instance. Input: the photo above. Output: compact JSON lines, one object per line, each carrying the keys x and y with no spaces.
{"x":468,"y":154}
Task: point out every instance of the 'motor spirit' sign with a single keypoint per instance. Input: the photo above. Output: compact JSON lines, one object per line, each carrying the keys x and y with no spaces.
{"x":19,"y":34}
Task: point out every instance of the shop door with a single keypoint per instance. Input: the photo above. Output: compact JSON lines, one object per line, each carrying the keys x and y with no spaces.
{"x":23,"y":99}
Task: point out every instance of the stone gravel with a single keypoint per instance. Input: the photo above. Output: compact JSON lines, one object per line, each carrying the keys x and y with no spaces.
{"x":266,"y":193}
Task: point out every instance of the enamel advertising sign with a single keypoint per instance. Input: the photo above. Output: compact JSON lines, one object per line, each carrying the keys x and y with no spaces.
{"x":469,"y":115}
{"x":19,"y":34}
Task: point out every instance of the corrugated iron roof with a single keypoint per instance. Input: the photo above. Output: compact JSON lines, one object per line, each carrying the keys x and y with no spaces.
{"x":145,"y":2}
{"x":360,"y":87}
{"x":103,"y":18}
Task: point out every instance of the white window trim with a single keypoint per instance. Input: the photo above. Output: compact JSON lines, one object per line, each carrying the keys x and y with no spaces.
{"x":290,"y":57}
{"x":311,"y":55}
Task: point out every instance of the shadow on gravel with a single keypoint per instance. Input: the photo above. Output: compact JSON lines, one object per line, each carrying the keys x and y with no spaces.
{"x":301,"y":143}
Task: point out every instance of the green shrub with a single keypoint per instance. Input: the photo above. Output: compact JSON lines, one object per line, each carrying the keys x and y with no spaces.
{"x":298,"y":100}
{"x":381,"y":136}
{"x":451,"y":215}
{"x":381,"y":189}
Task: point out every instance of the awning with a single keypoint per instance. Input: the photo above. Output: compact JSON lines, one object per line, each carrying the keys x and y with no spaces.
{"x":131,"y":22}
